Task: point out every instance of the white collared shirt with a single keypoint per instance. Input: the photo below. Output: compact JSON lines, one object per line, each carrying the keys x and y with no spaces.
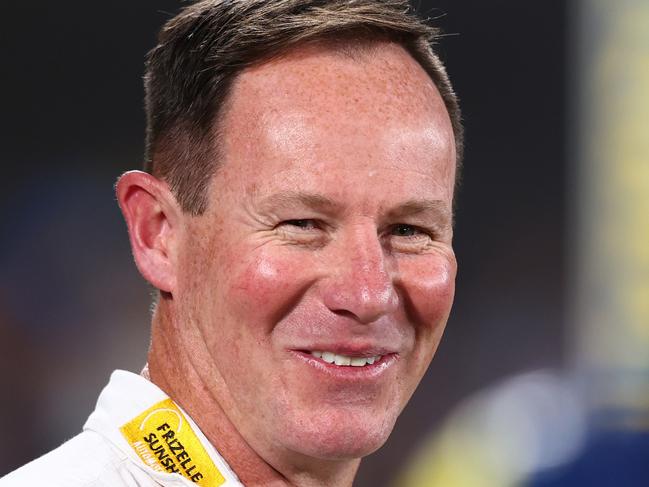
{"x":136,"y":437}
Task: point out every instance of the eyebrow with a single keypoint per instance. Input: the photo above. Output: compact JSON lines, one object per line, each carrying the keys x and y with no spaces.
{"x":438,"y":209}
{"x":289,"y":199}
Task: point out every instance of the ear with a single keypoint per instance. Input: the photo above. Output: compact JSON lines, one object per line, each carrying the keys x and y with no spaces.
{"x":153,"y":219}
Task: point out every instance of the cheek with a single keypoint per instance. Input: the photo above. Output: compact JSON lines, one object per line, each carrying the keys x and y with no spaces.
{"x":267,"y":284}
{"x":428,"y":295}
{"x":429,"y":290}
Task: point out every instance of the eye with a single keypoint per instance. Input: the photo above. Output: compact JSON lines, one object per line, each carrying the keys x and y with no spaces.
{"x":303,"y":231}
{"x":403,"y":230}
{"x":409,"y":238}
{"x":303,"y":224}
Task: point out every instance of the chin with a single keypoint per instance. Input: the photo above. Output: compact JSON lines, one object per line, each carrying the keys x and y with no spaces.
{"x":340,"y":435}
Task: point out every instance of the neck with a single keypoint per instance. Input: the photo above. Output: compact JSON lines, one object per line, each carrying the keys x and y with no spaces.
{"x":175,"y":367}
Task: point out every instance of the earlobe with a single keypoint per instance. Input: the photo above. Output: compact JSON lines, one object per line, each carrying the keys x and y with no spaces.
{"x":151,"y":215}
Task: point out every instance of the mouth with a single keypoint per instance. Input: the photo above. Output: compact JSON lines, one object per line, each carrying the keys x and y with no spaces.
{"x":349,"y":364}
{"x":345,"y":360}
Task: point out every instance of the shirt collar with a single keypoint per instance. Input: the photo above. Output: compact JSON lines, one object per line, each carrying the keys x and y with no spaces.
{"x":145,"y":425}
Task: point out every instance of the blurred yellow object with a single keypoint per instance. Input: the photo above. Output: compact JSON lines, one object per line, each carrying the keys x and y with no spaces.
{"x":612,"y":257}
{"x":457,"y":460}
{"x":498,"y":437}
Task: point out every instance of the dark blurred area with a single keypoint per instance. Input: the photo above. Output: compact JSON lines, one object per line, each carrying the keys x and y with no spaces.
{"x":72,"y":306}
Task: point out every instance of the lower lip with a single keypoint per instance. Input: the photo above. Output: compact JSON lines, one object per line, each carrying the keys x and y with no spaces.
{"x":367,"y":371}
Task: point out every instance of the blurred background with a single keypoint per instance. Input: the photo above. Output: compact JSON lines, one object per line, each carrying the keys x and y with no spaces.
{"x":542,"y":378}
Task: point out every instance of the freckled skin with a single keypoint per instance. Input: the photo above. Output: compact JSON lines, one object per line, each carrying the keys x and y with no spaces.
{"x":369,"y":134}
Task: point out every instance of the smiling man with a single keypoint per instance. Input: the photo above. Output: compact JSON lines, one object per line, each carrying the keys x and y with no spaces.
{"x":296,"y":217}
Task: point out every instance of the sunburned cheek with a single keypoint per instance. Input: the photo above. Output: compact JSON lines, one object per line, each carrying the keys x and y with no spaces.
{"x":430,"y":291}
{"x":268,"y":285}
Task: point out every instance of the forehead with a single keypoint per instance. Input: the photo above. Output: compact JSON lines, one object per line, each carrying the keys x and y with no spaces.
{"x":316,"y":109}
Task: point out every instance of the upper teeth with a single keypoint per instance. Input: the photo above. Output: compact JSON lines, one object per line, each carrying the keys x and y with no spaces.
{"x":334,"y":358}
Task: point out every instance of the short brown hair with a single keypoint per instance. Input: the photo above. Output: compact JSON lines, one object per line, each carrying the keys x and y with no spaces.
{"x":202,"y":50}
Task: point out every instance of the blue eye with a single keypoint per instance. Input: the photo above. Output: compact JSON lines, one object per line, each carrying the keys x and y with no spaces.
{"x":403,"y":230}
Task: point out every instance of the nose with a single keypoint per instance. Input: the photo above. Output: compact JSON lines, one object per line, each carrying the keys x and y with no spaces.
{"x":360,"y":283}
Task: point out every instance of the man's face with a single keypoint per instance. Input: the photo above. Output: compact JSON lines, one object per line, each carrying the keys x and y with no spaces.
{"x":327,"y":238}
